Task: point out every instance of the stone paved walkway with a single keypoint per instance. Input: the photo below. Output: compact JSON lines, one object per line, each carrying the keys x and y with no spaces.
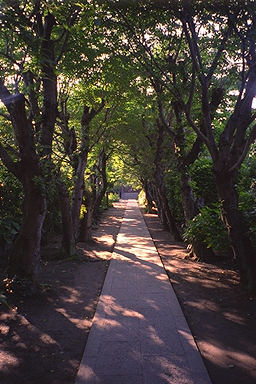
{"x":139,"y":334}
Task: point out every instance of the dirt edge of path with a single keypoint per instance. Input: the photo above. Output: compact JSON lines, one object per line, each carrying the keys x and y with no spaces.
{"x":42,"y":338}
{"x":220,"y":315}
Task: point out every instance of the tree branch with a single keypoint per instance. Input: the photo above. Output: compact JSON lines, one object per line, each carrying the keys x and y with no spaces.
{"x":148,"y":52}
{"x":218,"y":54}
{"x":192,"y":89}
{"x":194,"y":127}
{"x":63,"y":46}
{"x":195,"y":45}
{"x":251,"y":138}
{"x":100,"y":132}
{"x":192,"y":49}
{"x":33,"y":99}
{"x":194,"y":152}
{"x":163,"y":119}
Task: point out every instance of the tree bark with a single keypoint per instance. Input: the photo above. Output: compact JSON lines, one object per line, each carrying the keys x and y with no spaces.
{"x":49,"y":79}
{"x":94,"y":198}
{"x":183,"y":160}
{"x":25,"y":255}
{"x":88,"y":115}
{"x":68,"y":239}
{"x":87,"y":222}
{"x":107,"y":199}
{"x":160,"y":210}
{"x":238,"y":232}
{"x":149,"y":197}
{"x":79,"y":172}
{"x":188,"y":202}
{"x":78,"y":193}
{"x":24,"y":260}
{"x":161,"y":189}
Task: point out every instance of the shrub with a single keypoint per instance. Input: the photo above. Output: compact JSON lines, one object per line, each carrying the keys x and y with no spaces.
{"x":11,"y":198}
{"x":208,"y":228}
{"x":203,"y":183}
{"x":112,"y":197}
{"x":9,"y":228}
{"x":142,"y":198}
{"x":247,"y":205}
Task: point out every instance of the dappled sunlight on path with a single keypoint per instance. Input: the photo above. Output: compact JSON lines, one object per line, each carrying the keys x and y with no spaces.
{"x":139,"y":334}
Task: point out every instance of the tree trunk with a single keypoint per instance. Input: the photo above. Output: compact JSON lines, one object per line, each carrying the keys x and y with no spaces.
{"x":24,"y":258}
{"x":25,"y":255}
{"x":94,"y":198}
{"x":168,"y":217}
{"x":86,"y":225}
{"x":160,"y":211}
{"x":161,"y":189}
{"x":88,"y":115}
{"x":68,"y":238}
{"x":198,"y":249}
{"x":188,"y":201}
{"x":183,"y":159}
{"x":243,"y":250}
{"x":87,"y":222}
{"x":78,"y":193}
{"x":149,"y":196}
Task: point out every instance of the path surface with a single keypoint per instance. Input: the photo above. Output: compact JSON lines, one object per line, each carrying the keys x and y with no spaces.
{"x":139,"y":334}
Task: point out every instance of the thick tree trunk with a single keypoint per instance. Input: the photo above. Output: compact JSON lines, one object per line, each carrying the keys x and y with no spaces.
{"x":49,"y":79}
{"x":94,"y":198}
{"x":30,"y":169}
{"x":149,"y":196}
{"x":198,"y":249}
{"x":25,"y":255}
{"x":85,"y":234}
{"x":107,"y":199}
{"x":183,"y":159}
{"x":86,"y":225}
{"x":168,"y":217}
{"x":78,"y":193}
{"x":160,"y":212}
{"x":68,"y":238}
{"x":92,"y":211}
{"x":165,"y":212}
{"x":88,"y":115}
{"x":243,"y":250}
{"x":188,"y":202}
{"x":24,"y":258}
{"x":161,"y":189}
